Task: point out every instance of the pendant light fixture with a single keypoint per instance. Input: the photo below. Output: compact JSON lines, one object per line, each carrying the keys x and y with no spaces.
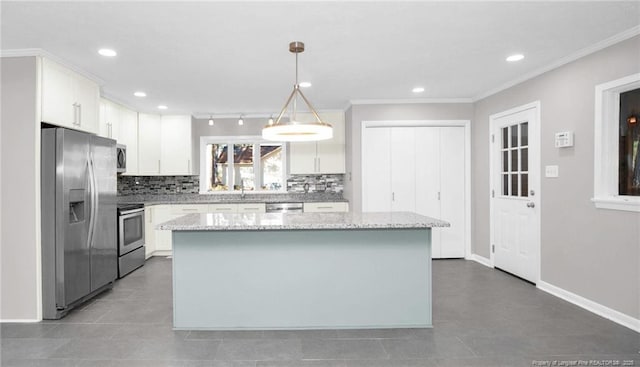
{"x":211,"y":120}
{"x":295,"y":130}
{"x":240,"y":121}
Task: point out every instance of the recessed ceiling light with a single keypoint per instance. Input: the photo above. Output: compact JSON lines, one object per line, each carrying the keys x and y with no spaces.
{"x":140,"y":94}
{"x":305,"y":85}
{"x":107,"y":52}
{"x":418,"y":90}
{"x":516,"y":57}
{"x":162,"y":107}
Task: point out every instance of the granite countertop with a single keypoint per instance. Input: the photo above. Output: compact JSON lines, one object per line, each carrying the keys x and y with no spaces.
{"x":299,"y":221}
{"x":250,"y":197}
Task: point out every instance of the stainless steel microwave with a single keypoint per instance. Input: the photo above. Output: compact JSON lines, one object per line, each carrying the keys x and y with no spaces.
{"x":121,"y":158}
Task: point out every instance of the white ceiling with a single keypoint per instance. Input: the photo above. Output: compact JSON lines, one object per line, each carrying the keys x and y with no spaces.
{"x":232,"y":57}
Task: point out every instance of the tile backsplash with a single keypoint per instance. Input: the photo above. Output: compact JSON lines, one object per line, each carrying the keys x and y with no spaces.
{"x":158,"y":185}
{"x":144,"y":185}
{"x":316,"y":183}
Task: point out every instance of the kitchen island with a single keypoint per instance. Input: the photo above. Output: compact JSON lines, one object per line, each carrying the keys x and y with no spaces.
{"x":301,"y":271}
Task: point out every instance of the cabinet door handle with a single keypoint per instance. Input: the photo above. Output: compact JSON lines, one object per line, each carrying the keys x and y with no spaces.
{"x":325,"y":207}
{"x":189,"y":166}
{"x":189,"y":209}
{"x":79,"y":114}
{"x":158,"y":166}
{"x":222,"y":209}
{"x":318,"y":163}
{"x":75,"y":113}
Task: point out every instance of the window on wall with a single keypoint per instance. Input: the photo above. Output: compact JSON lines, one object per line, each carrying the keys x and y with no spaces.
{"x":628,"y":144}
{"x":515,"y":160}
{"x":617,"y":145}
{"x":237,"y":163}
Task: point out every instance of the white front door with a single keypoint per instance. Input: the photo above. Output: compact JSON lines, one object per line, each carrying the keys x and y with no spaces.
{"x":515,"y":191}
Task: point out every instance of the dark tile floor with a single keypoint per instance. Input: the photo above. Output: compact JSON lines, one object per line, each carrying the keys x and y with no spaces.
{"x":482,"y":317}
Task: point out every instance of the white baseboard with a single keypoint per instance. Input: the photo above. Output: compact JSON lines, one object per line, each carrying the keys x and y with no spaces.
{"x":480,"y":259}
{"x":162,"y":253}
{"x":19,"y":320}
{"x":598,"y":309}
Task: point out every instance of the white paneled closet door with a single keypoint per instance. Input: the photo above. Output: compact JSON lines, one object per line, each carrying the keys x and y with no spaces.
{"x":376,"y":170}
{"x":419,"y":169}
{"x":452,"y":191}
{"x":403,"y":169}
{"x":428,"y":180}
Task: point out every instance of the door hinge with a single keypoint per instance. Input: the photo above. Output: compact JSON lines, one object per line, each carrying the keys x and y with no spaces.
{"x":493,"y":138}
{"x":493,"y":193}
{"x":493,"y":249}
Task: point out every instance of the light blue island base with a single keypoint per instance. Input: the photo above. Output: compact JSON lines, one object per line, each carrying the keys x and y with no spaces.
{"x":302,"y":279}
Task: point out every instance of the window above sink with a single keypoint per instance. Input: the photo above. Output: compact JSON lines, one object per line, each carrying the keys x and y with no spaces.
{"x":235,"y":164}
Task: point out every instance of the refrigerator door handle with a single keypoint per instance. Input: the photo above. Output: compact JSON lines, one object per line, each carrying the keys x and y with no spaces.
{"x":94,"y":201}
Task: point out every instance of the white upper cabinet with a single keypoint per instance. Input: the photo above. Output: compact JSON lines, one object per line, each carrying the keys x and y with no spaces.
{"x":175,"y":138}
{"x":127,"y":133}
{"x":120,"y":123}
{"x":68,"y":99}
{"x":149,"y":144}
{"x":325,"y":156}
{"x":164,"y":145}
{"x":109,"y":118}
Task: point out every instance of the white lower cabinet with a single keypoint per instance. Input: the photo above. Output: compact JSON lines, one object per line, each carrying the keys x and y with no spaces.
{"x":251,"y":208}
{"x":184,"y":209}
{"x":223,"y":208}
{"x":160,"y":243}
{"x":328,"y":207}
{"x":149,"y":232}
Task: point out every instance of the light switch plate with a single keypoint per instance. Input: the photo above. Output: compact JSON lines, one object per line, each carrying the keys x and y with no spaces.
{"x":551,"y":171}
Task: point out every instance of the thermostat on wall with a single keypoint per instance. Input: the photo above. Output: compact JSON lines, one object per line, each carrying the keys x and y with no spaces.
{"x":564,"y":139}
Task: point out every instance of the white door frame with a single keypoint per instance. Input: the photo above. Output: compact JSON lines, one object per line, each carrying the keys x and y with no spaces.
{"x":467,"y":161}
{"x":534,"y":162}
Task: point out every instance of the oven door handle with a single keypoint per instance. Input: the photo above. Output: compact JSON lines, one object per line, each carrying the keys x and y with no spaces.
{"x":127,"y":212}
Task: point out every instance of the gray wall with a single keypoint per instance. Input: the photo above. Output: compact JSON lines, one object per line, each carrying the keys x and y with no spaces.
{"x":358,"y":113}
{"x":19,"y":167}
{"x":594,"y":253}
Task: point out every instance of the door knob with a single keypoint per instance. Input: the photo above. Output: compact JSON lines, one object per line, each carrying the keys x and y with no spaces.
{"x":531,"y":204}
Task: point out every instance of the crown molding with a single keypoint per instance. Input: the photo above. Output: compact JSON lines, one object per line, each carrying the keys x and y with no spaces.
{"x":632,"y":32}
{"x":38,"y":52}
{"x":408,"y":101}
{"x":204,"y":116}
{"x":117,"y":100}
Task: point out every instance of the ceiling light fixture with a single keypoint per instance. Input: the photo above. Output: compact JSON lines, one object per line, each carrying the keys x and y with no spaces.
{"x":305,"y":85}
{"x":294,"y":130}
{"x":140,"y":94}
{"x":210,"y":120}
{"x":516,"y":57}
{"x":162,"y":107}
{"x":240,"y":121}
{"x":270,"y":120}
{"x":417,"y":90}
{"x":107,"y":52}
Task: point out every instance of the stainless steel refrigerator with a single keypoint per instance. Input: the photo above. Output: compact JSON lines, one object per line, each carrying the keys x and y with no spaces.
{"x":78,"y":195}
